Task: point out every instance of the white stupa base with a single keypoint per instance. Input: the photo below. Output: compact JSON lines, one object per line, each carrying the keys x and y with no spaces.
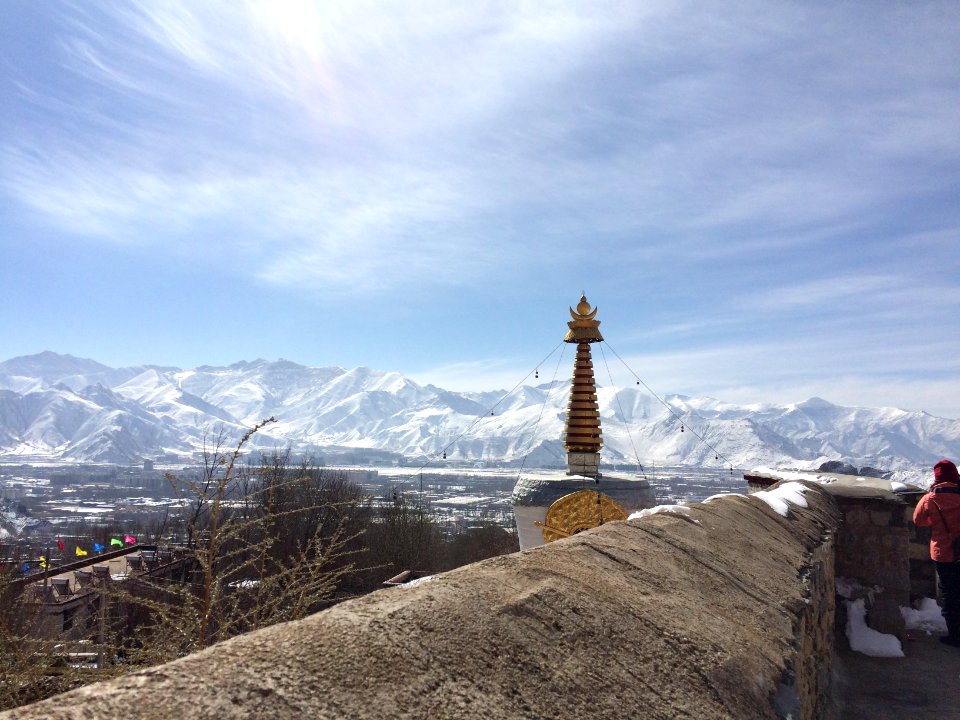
{"x":535,"y":493}
{"x":527,"y":517}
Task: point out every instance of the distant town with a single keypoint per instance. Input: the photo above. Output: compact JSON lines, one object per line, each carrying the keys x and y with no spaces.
{"x":71,"y":499}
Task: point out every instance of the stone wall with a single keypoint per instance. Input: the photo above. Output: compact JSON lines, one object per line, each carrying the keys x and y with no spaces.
{"x":725,"y":611}
{"x":877,"y":547}
{"x":872,"y":549}
{"x":815,"y":634}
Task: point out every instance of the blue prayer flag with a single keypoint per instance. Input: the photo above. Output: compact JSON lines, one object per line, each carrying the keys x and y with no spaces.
{"x":97,"y":547}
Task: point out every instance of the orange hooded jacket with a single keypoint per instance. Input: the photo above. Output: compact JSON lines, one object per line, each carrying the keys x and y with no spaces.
{"x":939,"y":509}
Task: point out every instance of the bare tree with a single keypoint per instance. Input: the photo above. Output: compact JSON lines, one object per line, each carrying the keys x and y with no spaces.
{"x":402,"y":536}
{"x":269,"y":543}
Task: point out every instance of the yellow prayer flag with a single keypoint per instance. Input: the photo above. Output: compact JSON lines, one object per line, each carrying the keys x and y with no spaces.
{"x":80,"y":551}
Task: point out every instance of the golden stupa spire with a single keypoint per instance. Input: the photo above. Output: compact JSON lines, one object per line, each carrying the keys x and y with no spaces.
{"x":582,"y":435}
{"x":583,"y":327}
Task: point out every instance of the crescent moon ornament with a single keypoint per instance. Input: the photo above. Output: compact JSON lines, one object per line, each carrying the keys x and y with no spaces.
{"x":584,"y":328}
{"x":578,"y":316}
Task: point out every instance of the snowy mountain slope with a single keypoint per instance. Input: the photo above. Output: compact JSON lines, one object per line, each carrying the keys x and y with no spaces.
{"x":148,"y":411}
{"x":90,"y":424}
{"x":43,"y":370}
{"x":13,"y":519}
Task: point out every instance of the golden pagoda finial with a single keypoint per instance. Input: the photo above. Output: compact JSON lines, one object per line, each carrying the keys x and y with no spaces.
{"x":582,"y":436}
{"x":584,"y":327}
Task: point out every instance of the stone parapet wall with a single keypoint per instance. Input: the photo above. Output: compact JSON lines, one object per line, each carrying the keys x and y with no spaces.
{"x":872,"y":548}
{"x":815,"y":634}
{"x":877,"y":547}
{"x":725,"y":611}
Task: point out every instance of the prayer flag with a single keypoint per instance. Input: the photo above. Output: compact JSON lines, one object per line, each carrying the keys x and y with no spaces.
{"x":25,"y":568}
{"x":43,"y":561}
{"x":116,"y":541}
{"x":97,"y":547}
{"x":129,"y":539}
{"x":81,"y":552}
{"x":59,"y":543}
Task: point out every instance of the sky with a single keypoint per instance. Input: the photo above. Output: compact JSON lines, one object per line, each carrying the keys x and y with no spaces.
{"x":762,"y":198}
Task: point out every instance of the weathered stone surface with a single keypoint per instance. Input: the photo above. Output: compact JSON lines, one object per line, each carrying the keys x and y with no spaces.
{"x":726,"y":612}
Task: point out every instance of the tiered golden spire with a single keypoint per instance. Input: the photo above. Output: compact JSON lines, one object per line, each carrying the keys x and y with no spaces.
{"x":582,"y":435}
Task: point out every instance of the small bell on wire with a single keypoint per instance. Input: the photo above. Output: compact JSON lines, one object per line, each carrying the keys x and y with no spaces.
{"x":444,"y":454}
{"x":681,"y":427}
{"x":491,"y":412}
{"x":638,"y":382}
{"x":716,"y":457}
{"x":536,"y":374}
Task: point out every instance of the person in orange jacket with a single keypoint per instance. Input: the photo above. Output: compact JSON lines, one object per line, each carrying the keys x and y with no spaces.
{"x":939,"y":510}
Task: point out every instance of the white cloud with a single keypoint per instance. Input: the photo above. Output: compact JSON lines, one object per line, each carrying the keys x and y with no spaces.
{"x":365,"y":133}
{"x":784,"y":175}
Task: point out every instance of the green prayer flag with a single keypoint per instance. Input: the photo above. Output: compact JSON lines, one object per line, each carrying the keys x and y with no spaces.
{"x":116,"y":541}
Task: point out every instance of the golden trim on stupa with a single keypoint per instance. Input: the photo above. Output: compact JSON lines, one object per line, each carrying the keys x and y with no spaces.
{"x":583,"y":327}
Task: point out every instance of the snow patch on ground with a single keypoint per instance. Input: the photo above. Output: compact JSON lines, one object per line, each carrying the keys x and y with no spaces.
{"x":865,"y":639}
{"x":465,"y":500}
{"x":927,"y":617}
{"x":244,"y":584}
{"x":419,"y":581}
{"x":848,"y":588}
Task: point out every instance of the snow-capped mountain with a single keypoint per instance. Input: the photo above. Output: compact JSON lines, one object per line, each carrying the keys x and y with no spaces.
{"x":58,"y":406}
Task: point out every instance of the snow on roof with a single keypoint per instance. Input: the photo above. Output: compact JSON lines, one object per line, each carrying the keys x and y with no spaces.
{"x":837,"y":480}
{"x":779,"y":499}
{"x":792,"y":475}
{"x":661,"y":509}
{"x":782,"y":496}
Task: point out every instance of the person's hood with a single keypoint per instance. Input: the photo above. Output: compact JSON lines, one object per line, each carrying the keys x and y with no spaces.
{"x":945,"y":471}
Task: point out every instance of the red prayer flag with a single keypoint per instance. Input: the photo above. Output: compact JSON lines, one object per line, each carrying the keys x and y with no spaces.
{"x":59,"y":543}
{"x":129,"y":539}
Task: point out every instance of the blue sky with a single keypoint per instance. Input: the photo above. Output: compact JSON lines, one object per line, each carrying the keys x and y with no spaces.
{"x":763,"y":200}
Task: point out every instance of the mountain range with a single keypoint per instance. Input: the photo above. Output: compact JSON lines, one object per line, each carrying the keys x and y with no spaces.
{"x":59,"y":407}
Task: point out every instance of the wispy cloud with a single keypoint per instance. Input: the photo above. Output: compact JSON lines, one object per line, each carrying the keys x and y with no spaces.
{"x":778,"y":172}
{"x":363,"y":137}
